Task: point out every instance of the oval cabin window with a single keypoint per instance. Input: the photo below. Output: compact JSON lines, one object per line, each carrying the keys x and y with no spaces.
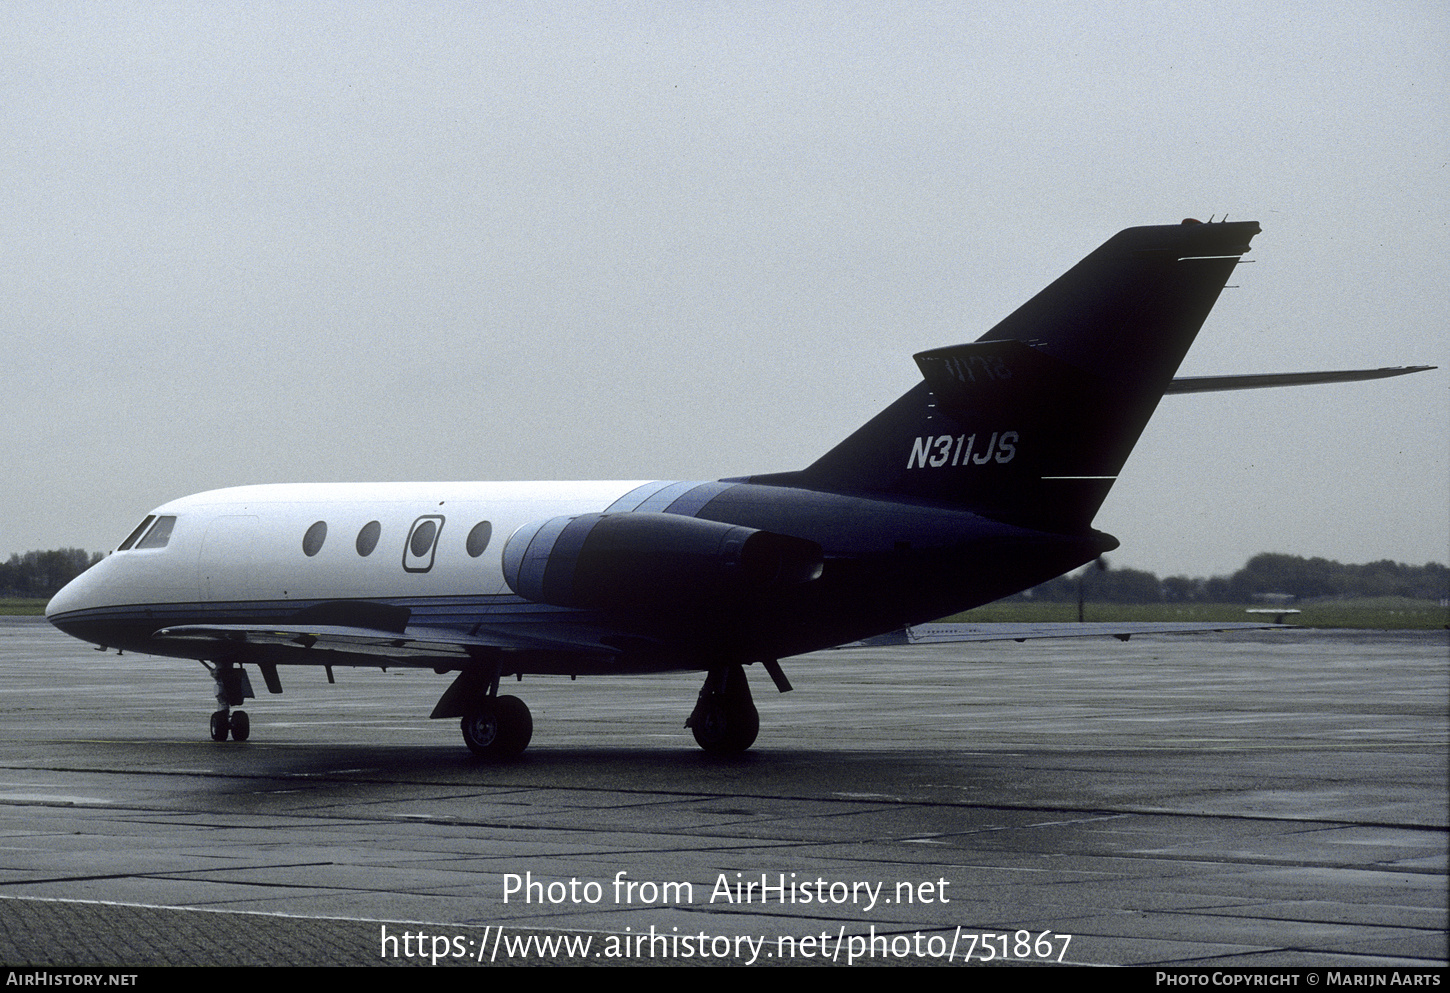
{"x":478,"y":538}
{"x":423,"y":538}
{"x":367,"y":538}
{"x":313,"y":539}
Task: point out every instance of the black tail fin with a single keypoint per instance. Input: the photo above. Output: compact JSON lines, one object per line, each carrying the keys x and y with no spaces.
{"x":1031,"y":423}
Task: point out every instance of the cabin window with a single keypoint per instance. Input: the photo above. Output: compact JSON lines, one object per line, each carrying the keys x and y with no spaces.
{"x":422,"y":539}
{"x":313,"y":539}
{"x":131,"y":540}
{"x":422,"y":543}
{"x":478,"y":538}
{"x":367,"y":538}
{"x":159,"y":534}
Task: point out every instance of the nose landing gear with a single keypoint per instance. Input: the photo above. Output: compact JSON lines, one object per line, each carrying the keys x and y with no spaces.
{"x":237,"y":723}
{"x":232,"y":688}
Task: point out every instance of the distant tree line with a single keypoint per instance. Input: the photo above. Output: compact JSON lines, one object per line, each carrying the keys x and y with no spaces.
{"x":1265,"y":576}
{"x":42,"y":574}
{"x":1268,"y":575}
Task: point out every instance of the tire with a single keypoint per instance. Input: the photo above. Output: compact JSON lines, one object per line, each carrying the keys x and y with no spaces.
{"x":220,"y":726}
{"x":241,"y":725}
{"x":722,"y":729}
{"x":498,"y":729}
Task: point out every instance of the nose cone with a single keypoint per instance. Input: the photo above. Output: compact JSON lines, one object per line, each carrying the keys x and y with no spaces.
{"x":69,"y":609}
{"x":66,"y":600}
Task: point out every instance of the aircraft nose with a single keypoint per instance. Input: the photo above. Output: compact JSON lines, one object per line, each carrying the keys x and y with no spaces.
{"x":62,"y":602}
{"x":72,"y":611}
{"x":77,"y":595}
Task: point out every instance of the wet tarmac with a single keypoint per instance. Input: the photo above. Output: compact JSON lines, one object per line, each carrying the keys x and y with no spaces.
{"x":1226,"y":800}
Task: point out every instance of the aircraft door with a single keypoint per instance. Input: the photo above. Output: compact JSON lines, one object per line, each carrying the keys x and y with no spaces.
{"x":227,"y":569}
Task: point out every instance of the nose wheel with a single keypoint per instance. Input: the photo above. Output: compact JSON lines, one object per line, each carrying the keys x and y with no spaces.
{"x":236,"y":723}
{"x":232,"y":687}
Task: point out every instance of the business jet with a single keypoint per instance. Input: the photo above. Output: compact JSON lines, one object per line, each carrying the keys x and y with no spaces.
{"x":981,"y":481}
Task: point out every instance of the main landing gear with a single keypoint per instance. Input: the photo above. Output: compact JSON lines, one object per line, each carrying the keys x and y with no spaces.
{"x":232,"y":687}
{"x":493,"y":726}
{"x":725,"y":720}
{"x":498,"y":727}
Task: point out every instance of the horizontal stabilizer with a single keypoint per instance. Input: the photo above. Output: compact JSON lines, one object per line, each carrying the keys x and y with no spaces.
{"x":1258,"y":381}
{"x":1263,"y":380}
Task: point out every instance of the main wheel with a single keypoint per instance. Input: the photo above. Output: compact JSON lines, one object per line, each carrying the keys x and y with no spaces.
{"x":725,"y":720}
{"x":726,"y":727}
{"x":241,"y":725}
{"x":220,"y":725}
{"x":499,"y":728}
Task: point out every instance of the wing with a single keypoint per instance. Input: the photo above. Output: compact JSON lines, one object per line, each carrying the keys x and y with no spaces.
{"x":1211,"y":384}
{"x":337,"y":644}
{"x":936,"y":634}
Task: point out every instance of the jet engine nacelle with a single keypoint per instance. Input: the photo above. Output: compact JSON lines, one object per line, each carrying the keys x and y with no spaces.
{"x":642,"y":559}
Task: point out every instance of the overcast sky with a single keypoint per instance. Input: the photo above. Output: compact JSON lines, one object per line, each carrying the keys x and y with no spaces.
{"x":299,"y":242}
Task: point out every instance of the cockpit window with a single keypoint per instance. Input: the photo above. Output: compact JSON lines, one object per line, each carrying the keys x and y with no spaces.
{"x":137,"y":533}
{"x":159,"y":534}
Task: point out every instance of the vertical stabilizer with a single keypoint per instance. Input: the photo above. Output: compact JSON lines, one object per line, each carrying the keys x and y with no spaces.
{"x":1032,"y":422}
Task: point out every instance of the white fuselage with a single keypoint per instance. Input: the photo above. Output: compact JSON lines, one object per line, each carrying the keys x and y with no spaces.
{"x":247,"y":543}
